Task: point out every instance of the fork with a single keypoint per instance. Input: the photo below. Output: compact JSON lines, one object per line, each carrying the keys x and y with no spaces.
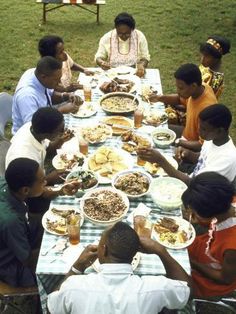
{"x":190,"y":229}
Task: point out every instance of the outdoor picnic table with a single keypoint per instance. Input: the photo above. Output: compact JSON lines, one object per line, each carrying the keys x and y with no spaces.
{"x":51,"y":267}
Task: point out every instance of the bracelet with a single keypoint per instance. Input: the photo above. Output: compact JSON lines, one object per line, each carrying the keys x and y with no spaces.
{"x":76,"y":271}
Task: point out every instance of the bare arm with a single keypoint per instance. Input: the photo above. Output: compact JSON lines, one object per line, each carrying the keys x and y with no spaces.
{"x":154,"y":156}
{"x":224,"y":276}
{"x":192,"y":145}
{"x":172,"y":99}
{"x":173,"y":269}
{"x":103,"y":64}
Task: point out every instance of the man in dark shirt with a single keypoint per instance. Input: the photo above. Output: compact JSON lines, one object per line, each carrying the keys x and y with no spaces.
{"x":20,"y":235}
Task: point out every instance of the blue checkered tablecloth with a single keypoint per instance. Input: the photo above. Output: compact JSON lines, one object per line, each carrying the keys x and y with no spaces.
{"x":51,"y":267}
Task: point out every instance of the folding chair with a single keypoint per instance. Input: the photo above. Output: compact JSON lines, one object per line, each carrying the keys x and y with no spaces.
{"x":4,"y":145}
{"x":212,"y":307}
{"x":5,"y":110}
{"x":8,"y":293}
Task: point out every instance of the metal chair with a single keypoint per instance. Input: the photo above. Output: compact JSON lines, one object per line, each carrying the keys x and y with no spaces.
{"x":5,"y":110}
{"x":8,"y":293}
{"x":4,"y":145}
{"x":212,"y":307}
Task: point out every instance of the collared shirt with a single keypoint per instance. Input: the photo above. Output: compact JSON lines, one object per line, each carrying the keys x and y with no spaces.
{"x":29,"y":96}
{"x":14,"y":231}
{"x":104,"y":48}
{"x":24,"y":144}
{"x":116,"y":290}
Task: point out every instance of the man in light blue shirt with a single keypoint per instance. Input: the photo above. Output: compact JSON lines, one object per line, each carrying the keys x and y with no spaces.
{"x":36,"y":89}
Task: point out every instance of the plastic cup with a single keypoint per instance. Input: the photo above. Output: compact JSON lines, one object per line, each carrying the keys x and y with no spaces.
{"x":138,"y":118}
{"x":83,"y":146}
{"x":87,"y":93}
{"x":73,"y":228}
{"x":142,"y":226}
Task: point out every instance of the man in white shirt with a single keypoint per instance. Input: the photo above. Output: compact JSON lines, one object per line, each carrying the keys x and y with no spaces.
{"x":218,"y":152}
{"x":39,"y":138}
{"x":115,"y":289}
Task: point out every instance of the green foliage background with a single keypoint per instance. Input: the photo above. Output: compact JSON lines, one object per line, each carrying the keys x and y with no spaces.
{"x":174,"y":30}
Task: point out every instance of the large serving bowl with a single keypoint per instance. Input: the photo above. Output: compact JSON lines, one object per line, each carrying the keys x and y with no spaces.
{"x":109,"y":207}
{"x":119,"y":103}
{"x":166,"y":192}
{"x":89,"y":180}
{"x":163,"y":137}
{"x":134,"y":183}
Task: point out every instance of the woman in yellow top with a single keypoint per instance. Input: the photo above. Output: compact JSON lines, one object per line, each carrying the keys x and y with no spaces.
{"x":123,"y":46}
{"x":212,"y":51}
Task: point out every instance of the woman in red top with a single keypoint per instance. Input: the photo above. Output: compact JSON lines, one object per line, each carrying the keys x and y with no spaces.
{"x":213,"y":254}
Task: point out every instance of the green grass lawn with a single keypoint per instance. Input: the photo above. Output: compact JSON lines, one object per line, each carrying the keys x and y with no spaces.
{"x":174,"y":30}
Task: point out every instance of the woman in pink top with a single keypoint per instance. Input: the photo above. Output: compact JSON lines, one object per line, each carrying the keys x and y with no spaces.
{"x":54,"y":46}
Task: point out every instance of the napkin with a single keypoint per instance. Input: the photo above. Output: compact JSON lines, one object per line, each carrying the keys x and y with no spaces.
{"x":71,"y":254}
{"x":141,"y":210}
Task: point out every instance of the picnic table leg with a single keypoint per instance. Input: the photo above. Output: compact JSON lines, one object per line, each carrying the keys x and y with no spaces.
{"x":44,"y":12}
{"x":97,"y":13}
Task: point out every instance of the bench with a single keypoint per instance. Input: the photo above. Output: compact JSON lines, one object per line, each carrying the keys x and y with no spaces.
{"x":50,"y":5}
{"x":8,"y":293}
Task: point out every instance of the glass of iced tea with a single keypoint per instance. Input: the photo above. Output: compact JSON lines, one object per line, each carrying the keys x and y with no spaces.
{"x":142,"y":226}
{"x":138,"y":118}
{"x":73,"y":228}
{"x":83,"y":146}
{"x":87,"y":93}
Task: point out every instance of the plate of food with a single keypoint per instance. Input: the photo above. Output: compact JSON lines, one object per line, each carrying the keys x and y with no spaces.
{"x":116,"y":121}
{"x":156,"y":170}
{"x":155,"y":117}
{"x":88,"y":109}
{"x":173,"y":232}
{"x":107,"y":161}
{"x":134,"y":140}
{"x":54,"y":220}
{"x":121,"y":70}
{"x":104,"y":206}
{"x":134,"y":264}
{"x":67,"y":161}
{"x":98,"y":133}
{"x":121,"y":83}
{"x":117,"y":103}
{"x":133,"y":183}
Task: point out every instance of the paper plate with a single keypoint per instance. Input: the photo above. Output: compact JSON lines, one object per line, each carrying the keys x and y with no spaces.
{"x":160,"y":171}
{"x":121,"y":70}
{"x":59,"y":164}
{"x":86,"y":110}
{"x":52,"y":217}
{"x":184,"y":225}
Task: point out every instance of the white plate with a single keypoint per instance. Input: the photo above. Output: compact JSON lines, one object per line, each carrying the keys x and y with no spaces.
{"x":160,"y":171}
{"x":59,"y":164}
{"x":86,"y":110}
{"x":133,"y":78}
{"x":183,"y":226}
{"x":121,"y":70}
{"x":53,"y":217}
{"x":157,"y":113}
{"x":93,"y":127}
{"x":96,"y":265}
{"x":127,"y":158}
